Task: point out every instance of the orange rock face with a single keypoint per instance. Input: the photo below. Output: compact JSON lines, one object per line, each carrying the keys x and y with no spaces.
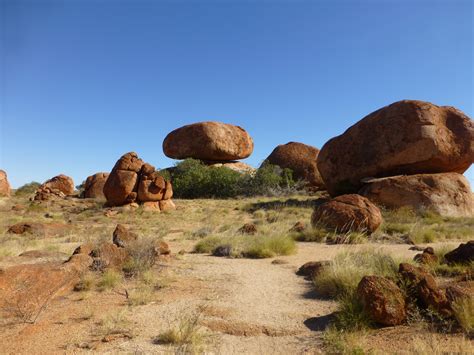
{"x":94,"y":186}
{"x":134,"y":181}
{"x":447,"y":194}
{"x":4,"y":184}
{"x":120,"y":186}
{"x":382,"y":300}
{"x":61,"y":183}
{"x":213,"y":141}
{"x":406,"y":137}
{"x":348,"y":213}
{"x":301,"y":159}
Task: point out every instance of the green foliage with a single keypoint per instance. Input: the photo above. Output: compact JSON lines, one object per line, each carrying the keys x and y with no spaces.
{"x":350,"y":314}
{"x":255,"y":247}
{"x":348,"y":268}
{"x":27,"y":189}
{"x":193,"y":179}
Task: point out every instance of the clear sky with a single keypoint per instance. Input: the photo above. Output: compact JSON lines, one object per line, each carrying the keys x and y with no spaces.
{"x":85,"y":81}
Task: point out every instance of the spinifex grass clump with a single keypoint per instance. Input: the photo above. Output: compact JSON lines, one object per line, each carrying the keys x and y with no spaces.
{"x":259,"y":246}
{"x":348,"y":268}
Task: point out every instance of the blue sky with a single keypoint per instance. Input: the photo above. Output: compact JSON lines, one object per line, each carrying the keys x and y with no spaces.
{"x":83,"y":82}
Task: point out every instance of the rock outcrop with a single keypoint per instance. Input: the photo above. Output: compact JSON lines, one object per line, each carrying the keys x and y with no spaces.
{"x":5,"y":188}
{"x":59,"y":186}
{"x":348,"y":213}
{"x":382,"y":300}
{"x":94,"y":186}
{"x":407,"y":137}
{"x":134,"y":181}
{"x":301,"y":159}
{"x":447,"y":194}
{"x":214,"y":141}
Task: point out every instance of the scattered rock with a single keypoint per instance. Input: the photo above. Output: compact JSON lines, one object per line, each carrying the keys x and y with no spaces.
{"x":382,"y":300}
{"x":38,"y":229}
{"x":279,"y":262}
{"x":122,"y":236}
{"x":213,"y":141}
{"x":108,"y":255}
{"x":110,"y":213}
{"x":162,"y":248}
{"x":447,"y":194}
{"x":223,"y":250}
{"x":348,"y":213}
{"x":5,"y":189}
{"x":313,"y":268}
{"x":167,"y":205}
{"x":406,"y":137}
{"x":427,"y":257}
{"x":463,"y":254}
{"x":153,"y":206}
{"x":424,"y":286}
{"x":460,"y":290}
{"x":94,"y":186}
{"x":301,"y":159}
{"x":248,"y":228}
{"x":298,"y":227}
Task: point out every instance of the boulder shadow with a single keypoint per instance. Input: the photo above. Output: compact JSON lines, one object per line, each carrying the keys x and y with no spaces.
{"x":278,"y":204}
{"x":321,"y":323}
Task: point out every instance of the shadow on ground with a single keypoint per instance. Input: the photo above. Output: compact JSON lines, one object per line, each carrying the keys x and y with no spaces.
{"x":279,"y":204}
{"x":319,"y":323}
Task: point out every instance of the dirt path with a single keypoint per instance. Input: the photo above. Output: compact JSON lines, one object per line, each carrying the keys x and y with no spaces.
{"x":251,"y":306}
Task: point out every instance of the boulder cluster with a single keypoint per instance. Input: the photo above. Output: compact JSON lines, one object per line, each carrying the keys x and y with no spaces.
{"x":410,"y":153}
{"x":132,"y":181}
{"x":388,"y":301}
{"x":115,"y":254}
{"x":214,"y":143}
{"x":94,"y":186}
{"x":59,"y":186}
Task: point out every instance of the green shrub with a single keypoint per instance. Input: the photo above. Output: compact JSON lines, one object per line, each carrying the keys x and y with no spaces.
{"x":193,"y":179}
{"x":350,"y":313}
{"x":109,"y":280}
{"x":208,"y":244}
{"x":27,"y":189}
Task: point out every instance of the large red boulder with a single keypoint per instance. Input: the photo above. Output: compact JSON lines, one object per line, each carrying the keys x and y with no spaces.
{"x":5,"y":188}
{"x":301,"y":159}
{"x":348,"y":213}
{"x":60,"y":183}
{"x":210,"y":140}
{"x":406,"y":137}
{"x":382,"y":300}
{"x":121,"y":185}
{"x":94,"y":185}
{"x":447,"y":194}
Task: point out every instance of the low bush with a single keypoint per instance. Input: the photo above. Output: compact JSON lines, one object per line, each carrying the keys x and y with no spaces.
{"x":142,"y":257}
{"x":27,"y":189}
{"x":193,"y":179}
{"x":109,"y":280}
